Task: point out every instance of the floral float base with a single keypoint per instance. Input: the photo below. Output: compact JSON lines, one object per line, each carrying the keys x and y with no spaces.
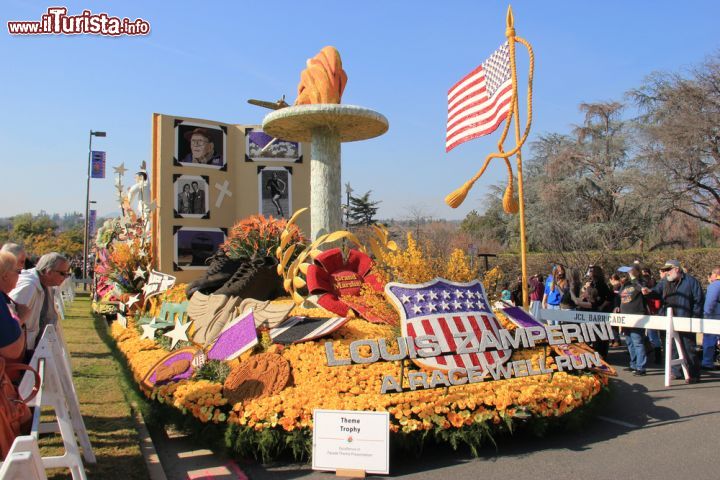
{"x":285,"y":417}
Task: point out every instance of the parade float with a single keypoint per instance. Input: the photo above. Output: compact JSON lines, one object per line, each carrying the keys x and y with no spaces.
{"x":281,"y":322}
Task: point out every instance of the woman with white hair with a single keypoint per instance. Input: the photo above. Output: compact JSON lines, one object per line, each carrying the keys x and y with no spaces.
{"x":12,"y":338}
{"x":16,"y":250}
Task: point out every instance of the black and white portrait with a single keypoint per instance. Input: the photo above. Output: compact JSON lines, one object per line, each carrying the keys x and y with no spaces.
{"x":275,"y":187}
{"x":192,"y":196}
{"x":200,"y":145}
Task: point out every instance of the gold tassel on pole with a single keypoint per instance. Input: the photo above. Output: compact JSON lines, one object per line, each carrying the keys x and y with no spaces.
{"x":456,"y":198}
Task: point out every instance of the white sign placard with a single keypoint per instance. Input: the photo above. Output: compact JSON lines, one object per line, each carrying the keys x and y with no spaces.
{"x":349,"y":439}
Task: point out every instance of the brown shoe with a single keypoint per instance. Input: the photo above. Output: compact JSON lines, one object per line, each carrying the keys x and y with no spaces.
{"x":691,"y":381}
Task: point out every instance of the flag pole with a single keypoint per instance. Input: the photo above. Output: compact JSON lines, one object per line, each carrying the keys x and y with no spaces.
{"x":510,"y":34}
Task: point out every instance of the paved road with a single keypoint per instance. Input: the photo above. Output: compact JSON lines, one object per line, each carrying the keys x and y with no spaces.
{"x":646,"y":431}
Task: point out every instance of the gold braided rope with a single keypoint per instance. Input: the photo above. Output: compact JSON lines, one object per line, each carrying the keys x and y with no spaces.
{"x":510,"y":204}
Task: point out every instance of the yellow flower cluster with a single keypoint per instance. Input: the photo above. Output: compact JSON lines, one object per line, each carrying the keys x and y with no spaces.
{"x":202,"y":398}
{"x":458,"y":267}
{"x":413,"y":265}
{"x":376,"y":304}
{"x":491,"y":279}
{"x":410,"y":265}
{"x":141,"y":354}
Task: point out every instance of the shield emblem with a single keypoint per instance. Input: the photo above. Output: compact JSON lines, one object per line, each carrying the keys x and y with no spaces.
{"x":447,"y":310}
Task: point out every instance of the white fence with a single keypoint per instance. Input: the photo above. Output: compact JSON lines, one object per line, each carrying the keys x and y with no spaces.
{"x":670,"y":324}
{"x":51,"y":360}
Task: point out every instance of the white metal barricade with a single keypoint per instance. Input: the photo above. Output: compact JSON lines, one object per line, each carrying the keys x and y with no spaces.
{"x":23,"y":461}
{"x":57,"y":391}
{"x":668,"y":322}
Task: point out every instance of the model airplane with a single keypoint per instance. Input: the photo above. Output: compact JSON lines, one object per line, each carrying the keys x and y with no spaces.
{"x":271,"y":105}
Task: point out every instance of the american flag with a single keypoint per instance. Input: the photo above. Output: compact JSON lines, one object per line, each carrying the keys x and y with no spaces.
{"x":478,"y":103}
{"x":443,"y":308}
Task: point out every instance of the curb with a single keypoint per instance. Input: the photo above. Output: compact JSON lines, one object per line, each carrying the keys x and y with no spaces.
{"x":147,"y":447}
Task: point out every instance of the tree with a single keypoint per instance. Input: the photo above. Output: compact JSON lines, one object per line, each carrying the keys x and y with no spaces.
{"x":417,"y":216}
{"x":589,"y":193}
{"x":25,"y":225}
{"x":362,"y":210}
{"x":583,"y":191}
{"x":681,"y":138}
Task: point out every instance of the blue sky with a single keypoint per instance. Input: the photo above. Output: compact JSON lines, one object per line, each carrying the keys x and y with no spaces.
{"x":206,"y":59}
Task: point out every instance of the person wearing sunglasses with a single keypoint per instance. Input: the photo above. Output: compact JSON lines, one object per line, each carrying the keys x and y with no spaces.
{"x":36,"y":291}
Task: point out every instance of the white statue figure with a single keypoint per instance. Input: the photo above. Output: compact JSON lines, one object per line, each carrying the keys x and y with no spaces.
{"x":138,"y":196}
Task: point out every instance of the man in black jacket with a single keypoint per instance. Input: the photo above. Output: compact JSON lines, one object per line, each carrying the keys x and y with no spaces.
{"x":683,"y":293}
{"x":632,"y":301}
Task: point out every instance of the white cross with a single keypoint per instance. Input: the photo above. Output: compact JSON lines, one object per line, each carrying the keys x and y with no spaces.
{"x":222,"y":191}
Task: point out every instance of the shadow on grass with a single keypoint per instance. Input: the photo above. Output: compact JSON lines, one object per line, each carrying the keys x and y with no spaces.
{"x":103,"y":355}
{"x":130,"y":389}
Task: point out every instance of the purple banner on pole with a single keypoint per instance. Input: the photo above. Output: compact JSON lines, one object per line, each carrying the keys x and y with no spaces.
{"x":97,"y":164}
{"x":92,"y":217}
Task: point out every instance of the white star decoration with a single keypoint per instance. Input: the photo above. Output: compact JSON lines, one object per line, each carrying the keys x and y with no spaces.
{"x":446,"y":295}
{"x":471,"y":294}
{"x":458,"y":294}
{"x":139,"y":273}
{"x":148,"y":331}
{"x":431,"y":307}
{"x":121,"y":169}
{"x":445,"y":305}
{"x":420,"y":297}
{"x":433,"y":295}
{"x":147,"y":288}
{"x":469,"y":304}
{"x":178,"y":333}
{"x":405,"y":299}
{"x":416,"y":309}
{"x":133,"y":300}
{"x":457,"y":304}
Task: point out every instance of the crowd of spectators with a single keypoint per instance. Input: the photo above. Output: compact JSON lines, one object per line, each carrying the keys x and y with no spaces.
{"x":634,"y":290}
{"x":27,"y":299}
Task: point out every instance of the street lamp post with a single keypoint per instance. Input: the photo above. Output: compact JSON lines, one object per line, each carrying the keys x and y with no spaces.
{"x":87,"y":209}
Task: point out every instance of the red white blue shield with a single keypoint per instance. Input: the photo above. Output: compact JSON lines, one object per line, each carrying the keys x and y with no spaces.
{"x":447,"y":310}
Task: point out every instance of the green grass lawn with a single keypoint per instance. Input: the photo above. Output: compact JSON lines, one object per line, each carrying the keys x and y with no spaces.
{"x":102,"y":389}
